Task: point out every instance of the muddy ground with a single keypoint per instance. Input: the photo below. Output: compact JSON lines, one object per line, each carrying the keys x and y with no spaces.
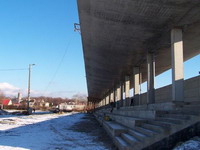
{"x":91,"y":126}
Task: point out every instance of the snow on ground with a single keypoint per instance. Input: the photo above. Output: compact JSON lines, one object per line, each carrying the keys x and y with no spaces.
{"x":193,"y":144}
{"x":44,"y":131}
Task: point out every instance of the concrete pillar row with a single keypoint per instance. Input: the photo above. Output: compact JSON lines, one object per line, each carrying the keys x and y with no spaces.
{"x":150,"y":78}
{"x":177,"y":64}
{"x":127,"y":90}
{"x":136,"y":86}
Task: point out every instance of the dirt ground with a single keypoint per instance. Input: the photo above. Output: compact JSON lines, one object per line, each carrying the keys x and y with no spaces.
{"x":90,"y":125}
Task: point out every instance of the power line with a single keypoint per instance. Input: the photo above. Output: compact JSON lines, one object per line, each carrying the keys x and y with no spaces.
{"x":59,"y":65}
{"x":14,"y":69}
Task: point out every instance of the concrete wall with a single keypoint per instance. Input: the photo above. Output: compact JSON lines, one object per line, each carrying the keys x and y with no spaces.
{"x":164,"y":94}
{"x":192,"y":89}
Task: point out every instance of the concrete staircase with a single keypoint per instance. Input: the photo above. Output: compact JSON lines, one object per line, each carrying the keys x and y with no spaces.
{"x":135,"y":129}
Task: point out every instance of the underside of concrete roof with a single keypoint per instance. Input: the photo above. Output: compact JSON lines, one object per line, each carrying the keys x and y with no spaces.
{"x":117,"y":34}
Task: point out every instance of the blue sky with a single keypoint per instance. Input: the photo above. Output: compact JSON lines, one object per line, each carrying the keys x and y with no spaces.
{"x":41,"y":32}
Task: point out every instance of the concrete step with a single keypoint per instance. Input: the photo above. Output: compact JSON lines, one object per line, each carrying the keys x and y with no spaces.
{"x":139,"y":136}
{"x":145,"y":131}
{"x":167,"y":125}
{"x":126,"y":121}
{"x":178,"y":116}
{"x":150,"y":114}
{"x":190,"y":111}
{"x":129,"y":139}
{"x":155,"y":128}
{"x":192,"y":103}
{"x":121,"y":144}
{"x":171,"y":120}
{"x":184,"y":111}
{"x":195,"y":107}
{"x":114,"y":128}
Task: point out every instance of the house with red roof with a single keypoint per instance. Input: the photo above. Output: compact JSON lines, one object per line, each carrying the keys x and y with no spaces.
{"x":7,"y":102}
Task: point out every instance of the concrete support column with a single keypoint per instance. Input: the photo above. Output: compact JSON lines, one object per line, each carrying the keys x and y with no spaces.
{"x":121,"y":95}
{"x":112,"y":96}
{"x":140,"y":99}
{"x":127,"y":90}
{"x":115,"y":94}
{"x":118,"y":95}
{"x":109,"y":98}
{"x":94,"y":105}
{"x":136,"y":86}
{"x":150,"y":78}
{"x":105,"y":101}
{"x":177,"y":65}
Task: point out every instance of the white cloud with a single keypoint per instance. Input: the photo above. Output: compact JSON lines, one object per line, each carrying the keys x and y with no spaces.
{"x":8,"y":89}
{"x":12,"y":91}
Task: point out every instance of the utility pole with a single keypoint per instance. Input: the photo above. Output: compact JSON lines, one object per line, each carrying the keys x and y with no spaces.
{"x":29,"y":87}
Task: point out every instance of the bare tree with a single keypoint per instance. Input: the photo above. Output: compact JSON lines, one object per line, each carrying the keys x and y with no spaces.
{"x":79,"y":98}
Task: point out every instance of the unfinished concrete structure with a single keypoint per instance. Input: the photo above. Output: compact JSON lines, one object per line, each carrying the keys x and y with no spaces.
{"x":127,"y":43}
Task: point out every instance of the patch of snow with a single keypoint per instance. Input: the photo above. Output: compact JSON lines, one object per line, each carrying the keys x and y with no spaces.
{"x":193,"y":144}
{"x":42,"y":131}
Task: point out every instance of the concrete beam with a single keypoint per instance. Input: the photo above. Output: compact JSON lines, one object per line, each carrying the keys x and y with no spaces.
{"x":150,"y":78}
{"x":177,"y":64}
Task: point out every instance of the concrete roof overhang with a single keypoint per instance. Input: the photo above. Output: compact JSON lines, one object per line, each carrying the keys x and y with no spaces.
{"x":117,"y":34}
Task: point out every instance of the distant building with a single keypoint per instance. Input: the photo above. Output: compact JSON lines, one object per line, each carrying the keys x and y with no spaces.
{"x":32,"y":103}
{"x":46,"y":104}
{"x":7,"y":102}
{"x":17,"y":101}
{"x":19,"y":98}
{"x":66,"y":107}
{"x":70,"y":106}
